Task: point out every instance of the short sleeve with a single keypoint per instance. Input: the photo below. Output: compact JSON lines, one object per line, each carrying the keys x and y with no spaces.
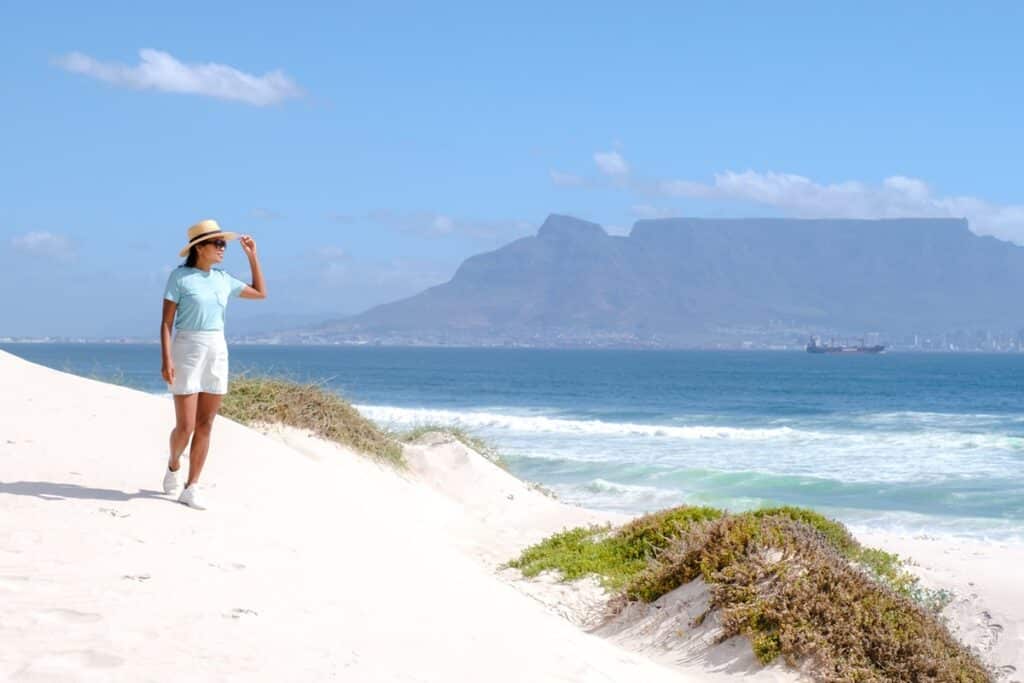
{"x":172,"y":292}
{"x":236,"y":285}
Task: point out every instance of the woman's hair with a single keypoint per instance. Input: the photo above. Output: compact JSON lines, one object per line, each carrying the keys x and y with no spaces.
{"x":193,"y":258}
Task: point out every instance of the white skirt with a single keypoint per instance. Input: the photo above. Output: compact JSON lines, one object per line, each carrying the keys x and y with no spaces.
{"x":200,"y":362}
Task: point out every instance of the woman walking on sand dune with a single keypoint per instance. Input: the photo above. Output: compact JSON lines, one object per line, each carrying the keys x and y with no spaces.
{"x":195,"y":364}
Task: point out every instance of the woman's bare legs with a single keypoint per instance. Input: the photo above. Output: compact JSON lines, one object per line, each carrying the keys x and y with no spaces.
{"x":207,"y":406}
{"x":184,"y":425}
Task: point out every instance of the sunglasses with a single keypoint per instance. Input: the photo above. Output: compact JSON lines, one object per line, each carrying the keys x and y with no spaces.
{"x":220,"y":244}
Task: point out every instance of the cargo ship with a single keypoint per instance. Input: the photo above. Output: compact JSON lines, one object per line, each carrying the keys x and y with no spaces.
{"x":815,"y":346}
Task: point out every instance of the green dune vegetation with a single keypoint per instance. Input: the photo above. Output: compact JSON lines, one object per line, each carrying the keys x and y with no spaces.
{"x":254,"y":400}
{"x":269,"y":400}
{"x":797,"y":584}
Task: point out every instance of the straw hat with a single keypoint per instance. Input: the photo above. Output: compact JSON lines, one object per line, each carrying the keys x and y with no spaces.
{"x":205,"y":230}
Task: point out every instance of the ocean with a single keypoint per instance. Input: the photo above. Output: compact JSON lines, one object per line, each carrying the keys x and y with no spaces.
{"x":921,"y":443}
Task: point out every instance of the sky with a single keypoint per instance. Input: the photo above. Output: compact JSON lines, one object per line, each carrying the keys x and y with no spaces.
{"x":370,"y":148}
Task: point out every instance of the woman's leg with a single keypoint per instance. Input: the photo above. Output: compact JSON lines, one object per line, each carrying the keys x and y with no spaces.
{"x":206,"y":410}
{"x":184,"y":425}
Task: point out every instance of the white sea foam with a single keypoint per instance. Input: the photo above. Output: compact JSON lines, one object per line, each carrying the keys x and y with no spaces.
{"x":637,"y":499}
{"x":927,"y":418}
{"x":931,"y":441}
{"x":541,"y":424}
{"x":629,"y":498}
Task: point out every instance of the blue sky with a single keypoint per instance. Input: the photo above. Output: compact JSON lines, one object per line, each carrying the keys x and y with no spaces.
{"x":371,"y":147}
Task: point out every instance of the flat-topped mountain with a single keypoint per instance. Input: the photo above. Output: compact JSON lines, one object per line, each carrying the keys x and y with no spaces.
{"x":687,"y":281}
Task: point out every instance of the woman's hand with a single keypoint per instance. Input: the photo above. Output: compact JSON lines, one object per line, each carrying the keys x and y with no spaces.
{"x":248,"y":245}
{"x":168,"y":372}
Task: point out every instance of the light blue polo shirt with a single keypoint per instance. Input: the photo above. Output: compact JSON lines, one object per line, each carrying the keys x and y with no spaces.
{"x":202,"y":297}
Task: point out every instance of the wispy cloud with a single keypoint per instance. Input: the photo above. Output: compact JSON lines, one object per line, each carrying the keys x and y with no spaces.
{"x":611,"y":164}
{"x":263,"y":214}
{"x":649,"y":211}
{"x":612,"y":169}
{"x":45,"y":245}
{"x":566,"y":179}
{"x":335,"y":264}
{"x":431,"y":224}
{"x":379,"y":281}
{"x":158,"y":70}
{"x":798,"y":196}
{"x":330,"y":253}
{"x":894,"y":197}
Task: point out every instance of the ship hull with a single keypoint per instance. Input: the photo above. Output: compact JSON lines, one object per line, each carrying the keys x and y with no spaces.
{"x":845,"y":349}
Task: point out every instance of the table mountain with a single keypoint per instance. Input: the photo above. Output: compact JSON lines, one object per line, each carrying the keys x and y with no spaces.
{"x":687,"y":281}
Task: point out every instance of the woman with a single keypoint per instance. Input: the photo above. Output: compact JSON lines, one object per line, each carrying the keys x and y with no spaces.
{"x":195,"y":365}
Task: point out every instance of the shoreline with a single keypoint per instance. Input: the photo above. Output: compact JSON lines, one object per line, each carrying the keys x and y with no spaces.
{"x":796,"y":348}
{"x":954,"y":461}
{"x":301,"y":569}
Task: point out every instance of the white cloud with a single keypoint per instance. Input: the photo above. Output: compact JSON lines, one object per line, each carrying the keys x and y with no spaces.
{"x":611,"y":164}
{"x":431,"y":224}
{"x":566,"y":179}
{"x":330,"y":253}
{"x":335,"y":265}
{"x":798,"y":196}
{"x":44,"y":244}
{"x":265,"y":215}
{"x":648,"y":211}
{"x":413,"y":275}
{"x":895,"y":197}
{"x":442,"y":225}
{"x":373,"y":281}
{"x":158,"y":70}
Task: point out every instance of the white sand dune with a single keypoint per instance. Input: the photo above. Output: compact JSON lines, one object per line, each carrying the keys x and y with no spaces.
{"x":311,"y":565}
{"x":317,"y":564}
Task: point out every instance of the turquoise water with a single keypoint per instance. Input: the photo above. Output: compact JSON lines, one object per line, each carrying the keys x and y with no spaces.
{"x":929,"y":442}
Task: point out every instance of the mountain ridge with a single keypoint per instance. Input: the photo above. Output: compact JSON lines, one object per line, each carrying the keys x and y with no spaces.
{"x":694,"y":281}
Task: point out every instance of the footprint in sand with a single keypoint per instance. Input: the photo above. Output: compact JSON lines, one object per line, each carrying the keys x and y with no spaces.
{"x":239,"y":612}
{"x":1005,"y":672}
{"x":115,"y":513}
{"x":136,"y":577}
{"x":994,"y":630}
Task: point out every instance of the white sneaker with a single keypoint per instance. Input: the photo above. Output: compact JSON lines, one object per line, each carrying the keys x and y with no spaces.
{"x":190,"y":496}
{"x":171,"y":483}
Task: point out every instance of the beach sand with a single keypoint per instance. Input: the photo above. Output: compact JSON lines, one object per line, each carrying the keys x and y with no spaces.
{"x":314,"y":563}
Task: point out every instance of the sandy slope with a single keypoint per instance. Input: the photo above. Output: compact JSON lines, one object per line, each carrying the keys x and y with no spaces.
{"x":305,"y":569}
{"x":317,"y":564}
{"x":985,"y":579}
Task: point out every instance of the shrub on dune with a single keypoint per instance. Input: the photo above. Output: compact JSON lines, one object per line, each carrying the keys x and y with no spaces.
{"x":615,"y":556}
{"x":253,"y":400}
{"x":794,"y":582}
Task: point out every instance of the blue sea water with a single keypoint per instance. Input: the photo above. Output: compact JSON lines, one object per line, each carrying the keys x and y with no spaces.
{"x":922,"y":442}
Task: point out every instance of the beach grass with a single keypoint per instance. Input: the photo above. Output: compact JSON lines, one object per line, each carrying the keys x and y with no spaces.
{"x":616,"y":557}
{"x":255,"y":400}
{"x":796,"y":583}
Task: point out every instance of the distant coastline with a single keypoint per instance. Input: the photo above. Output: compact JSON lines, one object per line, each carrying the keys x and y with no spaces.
{"x":998,"y":345}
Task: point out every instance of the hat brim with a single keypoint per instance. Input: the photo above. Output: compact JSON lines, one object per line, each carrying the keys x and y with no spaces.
{"x":222,"y":235}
